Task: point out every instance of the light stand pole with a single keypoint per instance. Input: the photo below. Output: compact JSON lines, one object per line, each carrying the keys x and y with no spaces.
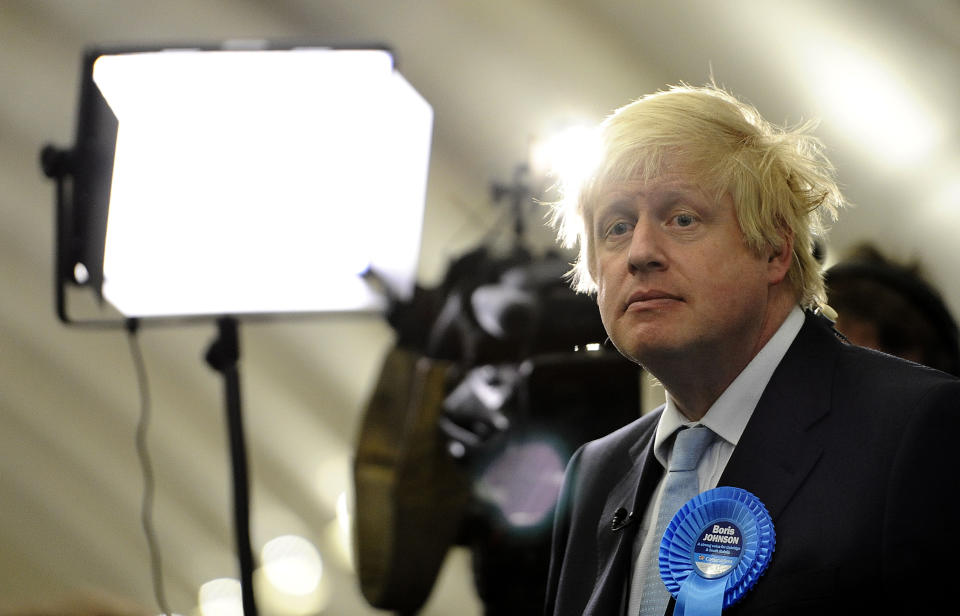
{"x":223,"y":356}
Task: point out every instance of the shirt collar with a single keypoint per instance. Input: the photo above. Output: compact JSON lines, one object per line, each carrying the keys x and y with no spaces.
{"x":729,"y":414}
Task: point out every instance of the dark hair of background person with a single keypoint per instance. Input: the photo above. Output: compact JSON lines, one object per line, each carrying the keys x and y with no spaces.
{"x":891,"y":307}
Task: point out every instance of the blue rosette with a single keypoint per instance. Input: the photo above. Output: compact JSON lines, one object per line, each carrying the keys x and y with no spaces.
{"x":715,"y":549}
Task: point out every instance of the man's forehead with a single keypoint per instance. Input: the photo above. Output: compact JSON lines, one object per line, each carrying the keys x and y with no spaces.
{"x":639,"y":169}
{"x":664,"y":181}
{"x":671,"y":182}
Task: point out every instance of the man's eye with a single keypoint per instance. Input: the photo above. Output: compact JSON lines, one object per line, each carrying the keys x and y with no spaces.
{"x":684,"y":220}
{"x":618,"y":228}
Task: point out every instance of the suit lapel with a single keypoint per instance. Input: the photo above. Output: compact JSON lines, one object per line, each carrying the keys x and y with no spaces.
{"x":777,"y":451}
{"x":618,"y":524}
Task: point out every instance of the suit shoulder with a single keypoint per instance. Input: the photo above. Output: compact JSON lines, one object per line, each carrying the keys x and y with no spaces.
{"x":819,"y":342}
{"x":890,"y":370}
{"x":892,"y":383}
{"x":621,"y":441}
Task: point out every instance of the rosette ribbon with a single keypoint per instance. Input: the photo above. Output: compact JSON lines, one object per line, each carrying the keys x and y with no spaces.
{"x":715,"y":549}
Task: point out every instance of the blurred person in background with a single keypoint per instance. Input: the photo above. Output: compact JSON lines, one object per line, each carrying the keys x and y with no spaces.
{"x":891,"y":307}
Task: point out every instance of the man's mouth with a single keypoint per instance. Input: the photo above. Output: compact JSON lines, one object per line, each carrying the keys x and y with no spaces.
{"x":652,"y":298}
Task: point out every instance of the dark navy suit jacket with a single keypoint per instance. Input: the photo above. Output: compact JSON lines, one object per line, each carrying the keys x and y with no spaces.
{"x":854,"y":455}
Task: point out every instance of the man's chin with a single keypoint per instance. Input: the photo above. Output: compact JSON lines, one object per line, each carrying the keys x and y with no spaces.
{"x":652,"y":350}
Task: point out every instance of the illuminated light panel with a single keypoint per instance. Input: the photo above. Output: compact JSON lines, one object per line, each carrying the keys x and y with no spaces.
{"x":278,"y":603}
{"x":292,"y":565}
{"x":291,"y":579}
{"x":261,"y":181}
{"x":221,"y":597}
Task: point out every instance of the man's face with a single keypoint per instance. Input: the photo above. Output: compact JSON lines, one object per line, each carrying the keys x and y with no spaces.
{"x":675,"y":278}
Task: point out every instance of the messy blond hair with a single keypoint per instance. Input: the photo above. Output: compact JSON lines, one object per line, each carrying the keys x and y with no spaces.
{"x":780,"y":180}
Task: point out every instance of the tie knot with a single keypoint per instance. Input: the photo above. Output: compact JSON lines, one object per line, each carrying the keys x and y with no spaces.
{"x":689,"y":447}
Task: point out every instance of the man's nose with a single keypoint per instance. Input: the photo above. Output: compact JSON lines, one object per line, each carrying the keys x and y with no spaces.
{"x":646,"y":248}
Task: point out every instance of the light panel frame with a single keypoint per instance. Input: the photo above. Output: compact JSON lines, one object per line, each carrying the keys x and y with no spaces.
{"x":246,"y":180}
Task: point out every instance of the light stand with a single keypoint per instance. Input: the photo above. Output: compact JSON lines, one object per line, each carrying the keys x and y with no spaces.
{"x":286,"y":150}
{"x":223,"y":356}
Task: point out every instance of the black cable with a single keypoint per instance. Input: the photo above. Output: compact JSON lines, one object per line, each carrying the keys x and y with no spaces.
{"x":146,"y":507}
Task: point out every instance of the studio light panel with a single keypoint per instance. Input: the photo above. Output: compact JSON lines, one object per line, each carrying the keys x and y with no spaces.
{"x":261,"y":181}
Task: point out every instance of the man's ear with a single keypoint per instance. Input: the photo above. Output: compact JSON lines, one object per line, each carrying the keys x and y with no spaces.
{"x":780,"y":259}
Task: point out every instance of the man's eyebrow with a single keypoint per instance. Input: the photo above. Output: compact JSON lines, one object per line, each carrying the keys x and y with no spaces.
{"x":616,"y":203}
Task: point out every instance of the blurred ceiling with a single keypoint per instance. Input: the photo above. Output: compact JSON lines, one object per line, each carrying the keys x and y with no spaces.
{"x":881,"y":76}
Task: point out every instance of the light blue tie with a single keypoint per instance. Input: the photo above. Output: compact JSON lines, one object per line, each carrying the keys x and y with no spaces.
{"x":679,"y":486}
